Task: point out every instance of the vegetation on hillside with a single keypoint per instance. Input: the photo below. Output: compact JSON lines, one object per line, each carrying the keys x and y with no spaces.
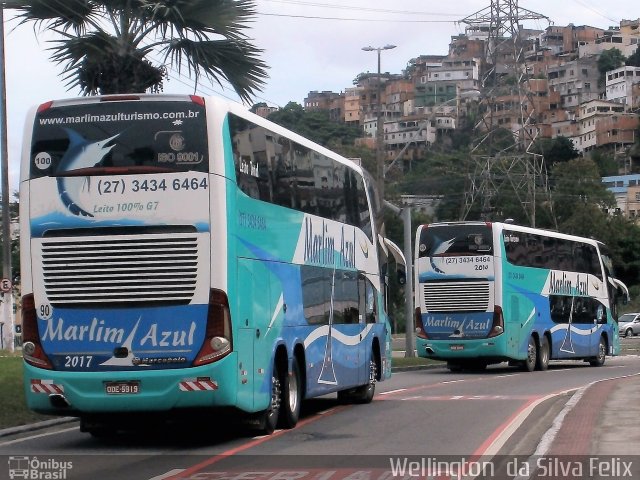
{"x":579,"y":204}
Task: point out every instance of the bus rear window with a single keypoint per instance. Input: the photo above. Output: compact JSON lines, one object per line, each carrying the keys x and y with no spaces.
{"x":133,"y":136}
{"x":455,"y":240}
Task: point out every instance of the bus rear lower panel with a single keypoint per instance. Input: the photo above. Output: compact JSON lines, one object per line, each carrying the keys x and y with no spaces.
{"x":487,"y":350}
{"x":73,"y":393}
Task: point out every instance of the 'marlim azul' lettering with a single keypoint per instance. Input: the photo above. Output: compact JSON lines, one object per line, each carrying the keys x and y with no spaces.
{"x":97,"y":332}
{"x":320,"y":248}
{"x":564,"y":286}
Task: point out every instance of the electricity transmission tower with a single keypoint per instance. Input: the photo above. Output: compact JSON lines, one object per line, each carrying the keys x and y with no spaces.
{"x":503,"y":163}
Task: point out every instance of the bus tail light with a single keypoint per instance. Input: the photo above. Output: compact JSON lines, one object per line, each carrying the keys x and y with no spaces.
{"x":497,"y":327}
{"x":217,"y":342}
{"x":45,"y":106}
{"x":420,"y":333}
{"x":197,"y":100}
{"x":32,"y":351}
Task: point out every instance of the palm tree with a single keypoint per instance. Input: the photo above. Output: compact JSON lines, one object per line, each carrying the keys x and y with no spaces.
{"x":106,"y":45}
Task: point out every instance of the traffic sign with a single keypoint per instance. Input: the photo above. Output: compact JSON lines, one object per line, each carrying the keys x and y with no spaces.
{"x":5,"y":285}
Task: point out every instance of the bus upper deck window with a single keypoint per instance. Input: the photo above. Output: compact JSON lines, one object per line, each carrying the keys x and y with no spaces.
{"x":477,"y":243}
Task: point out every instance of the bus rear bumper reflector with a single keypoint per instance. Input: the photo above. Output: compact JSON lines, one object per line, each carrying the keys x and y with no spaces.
{"x":198,"y":385}
{"x":46,"y":386}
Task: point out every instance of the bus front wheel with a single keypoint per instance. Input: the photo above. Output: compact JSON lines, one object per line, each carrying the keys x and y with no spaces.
{"x":529,"y":363}
{"x":363,"y":393}
{"x":602,"y":354}
{"x":542,"y":359}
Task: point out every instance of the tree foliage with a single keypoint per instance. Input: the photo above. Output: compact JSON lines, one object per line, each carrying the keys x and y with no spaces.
{"x":105,"y":46}
{"x":556,"y":150}
{"x":634,"y":59}
{"x":609,"y":60}
{"x":578,"y":192}
{"x":315,"y":125}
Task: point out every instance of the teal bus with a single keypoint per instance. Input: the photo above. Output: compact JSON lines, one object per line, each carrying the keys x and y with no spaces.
{"x":494,"y":292}
{"x":180,"y":253}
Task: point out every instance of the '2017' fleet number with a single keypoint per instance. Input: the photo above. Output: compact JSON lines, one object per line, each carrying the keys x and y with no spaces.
{"x":77,"y":361}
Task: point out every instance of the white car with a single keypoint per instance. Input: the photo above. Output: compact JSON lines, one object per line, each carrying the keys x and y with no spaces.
{"x":629,"y":324}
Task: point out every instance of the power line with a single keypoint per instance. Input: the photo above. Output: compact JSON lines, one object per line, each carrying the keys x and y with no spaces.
{"x":594,"y":10}
{"x":365,"y":9}
{"x":386,"y":20}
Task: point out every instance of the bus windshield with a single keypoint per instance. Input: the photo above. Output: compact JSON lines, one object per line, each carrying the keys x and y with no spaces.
{"x":456,"y":240}
{"x":132,"y":137}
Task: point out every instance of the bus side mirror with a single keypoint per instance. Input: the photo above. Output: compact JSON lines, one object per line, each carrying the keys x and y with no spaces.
{"x":401,"y":274}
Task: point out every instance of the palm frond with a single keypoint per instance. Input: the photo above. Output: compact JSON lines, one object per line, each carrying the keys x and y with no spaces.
{"x":235,"y":61}
{"x":58,"y":15}
{"x":105,"y":43}
{"x":202,"y":18}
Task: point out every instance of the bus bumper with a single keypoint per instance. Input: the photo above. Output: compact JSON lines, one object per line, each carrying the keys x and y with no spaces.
{"x":491,"y":349}
{"x":73,"y":393}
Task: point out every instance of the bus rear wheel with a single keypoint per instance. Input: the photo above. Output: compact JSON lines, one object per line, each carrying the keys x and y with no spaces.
{"x":529,"y":363}
{"x":291,"y":397}
{"x":269,"y":417}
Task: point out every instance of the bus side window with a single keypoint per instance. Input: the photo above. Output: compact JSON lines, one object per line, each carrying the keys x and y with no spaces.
{"x":367,"y":299}
{"x":345,"y":299}
{"x":534,"y":246}
{"x":283,"y":173}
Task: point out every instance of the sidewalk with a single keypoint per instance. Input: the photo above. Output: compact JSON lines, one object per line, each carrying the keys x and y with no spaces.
{"x":604,"y":421}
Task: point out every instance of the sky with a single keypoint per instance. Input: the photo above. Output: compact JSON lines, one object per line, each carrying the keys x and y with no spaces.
{"x":307,"y":45}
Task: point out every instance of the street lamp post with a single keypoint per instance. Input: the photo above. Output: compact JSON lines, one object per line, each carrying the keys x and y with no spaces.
{"x":379,"y":125}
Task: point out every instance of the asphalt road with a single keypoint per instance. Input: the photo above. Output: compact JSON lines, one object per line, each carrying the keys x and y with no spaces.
{"x":426,"y":414}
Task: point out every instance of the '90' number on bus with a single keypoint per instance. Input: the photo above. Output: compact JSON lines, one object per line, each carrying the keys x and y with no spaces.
{"x":45,"y":311}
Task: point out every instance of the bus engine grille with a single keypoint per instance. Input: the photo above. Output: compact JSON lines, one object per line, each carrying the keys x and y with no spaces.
{"x":120,"y":270}
{"x":456,"y":296}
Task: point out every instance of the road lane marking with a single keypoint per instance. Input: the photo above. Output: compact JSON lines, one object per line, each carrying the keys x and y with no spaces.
{"x":393,"y":391}
{"x":169,"y":474}
{"x":187,"y":472}
{"x":40,"y":435}
{"x":447,"y":398}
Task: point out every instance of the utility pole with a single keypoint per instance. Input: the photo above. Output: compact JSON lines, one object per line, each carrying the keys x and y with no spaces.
{"x":7,"y":298}
{"x":405,"y":213}
{"x":408,"y":286}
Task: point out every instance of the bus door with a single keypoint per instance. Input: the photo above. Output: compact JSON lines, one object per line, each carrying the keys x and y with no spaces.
{"x":367,"y":308}
{"x":575,"y":320}
{"x":346,"y":329}
{"x":253,"y":316}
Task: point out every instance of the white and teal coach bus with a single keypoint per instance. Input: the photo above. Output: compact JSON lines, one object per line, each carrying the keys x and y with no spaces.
{"x":493,"y":292}
{"x":179,"y":252}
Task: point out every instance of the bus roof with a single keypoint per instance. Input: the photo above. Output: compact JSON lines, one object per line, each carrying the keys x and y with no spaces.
{"x":518,"y":228}
{"x":227,"y":105}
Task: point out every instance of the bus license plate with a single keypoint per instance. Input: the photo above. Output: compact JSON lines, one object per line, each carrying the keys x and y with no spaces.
{"x":122,"y":388}
{"x":456,"y":347}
